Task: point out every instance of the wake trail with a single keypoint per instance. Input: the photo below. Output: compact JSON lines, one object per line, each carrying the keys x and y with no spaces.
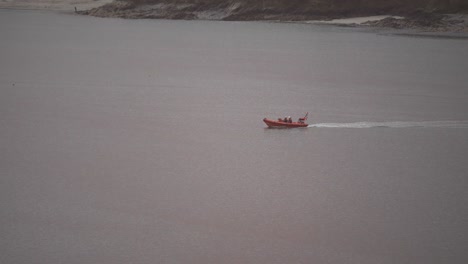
{"x":396,"y":124}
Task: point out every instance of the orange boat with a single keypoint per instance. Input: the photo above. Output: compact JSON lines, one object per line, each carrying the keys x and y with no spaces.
{"x":286,"y":122}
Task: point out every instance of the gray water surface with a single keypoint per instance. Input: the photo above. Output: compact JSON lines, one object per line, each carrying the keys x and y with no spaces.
{"x":141,"y":141}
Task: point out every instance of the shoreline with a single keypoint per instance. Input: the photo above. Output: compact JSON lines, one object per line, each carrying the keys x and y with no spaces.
{"x":419,"y":20}
{"x":411,"y":24}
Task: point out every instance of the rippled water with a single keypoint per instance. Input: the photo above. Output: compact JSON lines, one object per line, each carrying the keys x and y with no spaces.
{"x":142,"y":141}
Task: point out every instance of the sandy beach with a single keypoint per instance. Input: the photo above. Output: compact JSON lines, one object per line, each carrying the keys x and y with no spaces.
{"x":355,"y":20}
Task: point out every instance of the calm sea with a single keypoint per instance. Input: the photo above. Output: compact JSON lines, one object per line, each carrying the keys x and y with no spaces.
{"x":141,"y":141}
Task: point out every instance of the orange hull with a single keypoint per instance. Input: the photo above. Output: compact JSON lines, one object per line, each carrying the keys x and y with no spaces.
{"x":280,"y":124}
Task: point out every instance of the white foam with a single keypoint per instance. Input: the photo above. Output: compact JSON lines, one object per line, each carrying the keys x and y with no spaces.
{"x":395,"y":124}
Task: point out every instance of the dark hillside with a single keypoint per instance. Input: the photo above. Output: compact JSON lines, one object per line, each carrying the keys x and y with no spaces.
{"x":328,"y":7}
{"x":419,"y":14}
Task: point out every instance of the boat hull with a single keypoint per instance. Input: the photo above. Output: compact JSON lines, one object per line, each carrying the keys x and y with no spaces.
{"x":280,"y":124}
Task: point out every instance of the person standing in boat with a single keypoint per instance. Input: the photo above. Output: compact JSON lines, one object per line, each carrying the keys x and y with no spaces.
{"x":303,"y":119}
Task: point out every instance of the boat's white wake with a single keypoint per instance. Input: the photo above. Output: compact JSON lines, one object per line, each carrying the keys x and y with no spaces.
{"x":395,"y":124}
